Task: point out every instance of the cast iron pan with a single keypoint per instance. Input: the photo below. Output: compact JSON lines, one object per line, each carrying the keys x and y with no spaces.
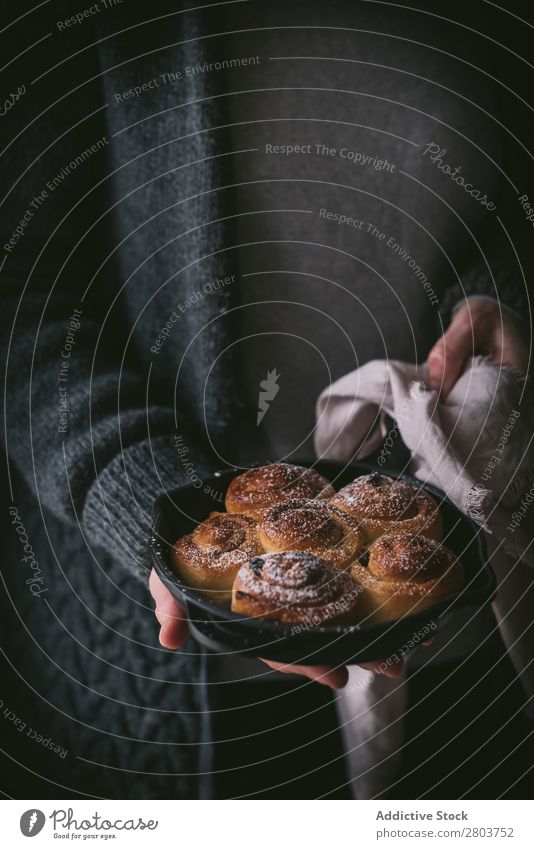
{"x":177,"y":513}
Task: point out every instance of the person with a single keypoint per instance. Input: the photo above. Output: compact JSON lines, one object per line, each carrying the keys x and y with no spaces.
{"x":289,"y":152}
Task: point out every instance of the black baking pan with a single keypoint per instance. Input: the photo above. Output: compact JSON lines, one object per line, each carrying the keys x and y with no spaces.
{"x":177,"y":513}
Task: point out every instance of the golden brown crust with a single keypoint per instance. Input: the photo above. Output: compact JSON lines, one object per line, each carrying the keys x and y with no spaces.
{"x":306,"y":524}
{"x":386,"y":505}
{"x":295,"y":587}
{"x":404,"y":573}
{"x":258,"y":489}
{"x":209,"y":558}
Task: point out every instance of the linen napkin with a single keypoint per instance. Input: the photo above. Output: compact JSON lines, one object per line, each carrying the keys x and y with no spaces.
{"x":477,"y":446}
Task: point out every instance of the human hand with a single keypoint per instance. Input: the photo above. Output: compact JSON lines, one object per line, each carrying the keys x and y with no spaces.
{"x":174,"y":632}
{"x":479,"y":326}
{"x":171,"y":616}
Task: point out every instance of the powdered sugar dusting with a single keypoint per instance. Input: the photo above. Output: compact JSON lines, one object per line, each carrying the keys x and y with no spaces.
{"x":377,"y":496}
{"x":268,"y":485}
{"x":314,"y":526}
{"x":219,"y":543}
{"x":292,"y":578}
{"x":303,"y":522}
{"x":409,"y":557}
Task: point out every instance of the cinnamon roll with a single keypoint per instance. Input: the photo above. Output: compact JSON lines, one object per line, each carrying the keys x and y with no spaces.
{"x":258,"y":489}
{"x":385,"y":505}
{"x":404,"y":573}
{"x":209,"y":558}
{"x":305,"y":524}
{"x":295,"y":587}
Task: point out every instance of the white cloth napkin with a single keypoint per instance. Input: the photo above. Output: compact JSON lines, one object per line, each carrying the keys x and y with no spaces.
{"x":478,"y":447}
{"x":370,"y":711}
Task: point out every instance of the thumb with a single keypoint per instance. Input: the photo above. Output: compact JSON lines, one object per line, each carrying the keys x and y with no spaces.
{"x":447,"y":358}
{"x":170,"y":615}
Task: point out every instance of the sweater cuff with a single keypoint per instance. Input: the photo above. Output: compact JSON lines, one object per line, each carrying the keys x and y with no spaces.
{"x":501,"y":285}
{"x":119,"y":507}
{"x":493,"y":300}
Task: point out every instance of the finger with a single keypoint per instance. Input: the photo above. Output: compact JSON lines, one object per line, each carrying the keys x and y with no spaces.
{"x":169,"y":613}
{"x":327,"y":675}
{"x":447,"y":358}
{"x":156,"y":587}
{"x":166,"y":604}
{"x":174,"y":632}
{"x":391,"y":668}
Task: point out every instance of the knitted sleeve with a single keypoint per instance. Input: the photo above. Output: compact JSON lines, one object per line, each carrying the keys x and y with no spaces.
{"x":496,"y":277}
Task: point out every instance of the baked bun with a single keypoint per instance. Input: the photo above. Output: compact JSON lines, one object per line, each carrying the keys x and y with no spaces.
{"x":209,"y":558}
{"x":258,"y":489}
{"x":295,"y":587}
{"x":385,"y":505}
{"x":305,"y":524}
{"x":403,"y":573}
